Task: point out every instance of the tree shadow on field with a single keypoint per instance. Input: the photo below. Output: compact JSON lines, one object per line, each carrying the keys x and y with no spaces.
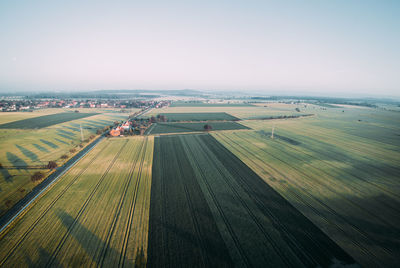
{"x":31,"y":155}
{"x":65,"y":136}
{"x":72,"y":128}
{"x":61,"y":141}
{"x":88,"y":240}
{"x":7,"y":176}
{"x":42,"y":259}
{"x":16,"y":161}
{"x":48,"y":143}
{"x":41,"y":148}
{"x":69,"y":133}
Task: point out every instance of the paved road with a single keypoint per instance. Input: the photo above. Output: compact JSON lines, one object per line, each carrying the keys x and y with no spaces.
{"x":22,"y":204}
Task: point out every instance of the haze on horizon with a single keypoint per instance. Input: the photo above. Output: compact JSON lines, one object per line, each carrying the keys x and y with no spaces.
{"x":328,"y":47}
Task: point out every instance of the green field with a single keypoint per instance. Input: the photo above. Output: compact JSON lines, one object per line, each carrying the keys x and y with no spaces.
{"x":205,"y":104}
{"x":165,"y":128}
{"x":203,"y":192}
{"x":25,"y":151}
{"x":324,"y":191}
{"x":44,"y":121}
{"x":95,"y":215}
{"x":175,"y":117}
{"x":343,"y":174}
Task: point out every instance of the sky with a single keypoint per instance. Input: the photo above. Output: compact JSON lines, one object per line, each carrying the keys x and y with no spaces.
{"x":328,"y":47}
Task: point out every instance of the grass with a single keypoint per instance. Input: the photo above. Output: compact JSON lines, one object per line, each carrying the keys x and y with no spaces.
{"x":204,"y":104}
{"x":209,"y":208}
{"x":175,"y":117}
{"x":44,"y":121}
{"x":339,"y":172}
{"x":25,"y":150}
{"x":259,"y":110}
{"x":166,"y":128}
{"x":95,"y":215}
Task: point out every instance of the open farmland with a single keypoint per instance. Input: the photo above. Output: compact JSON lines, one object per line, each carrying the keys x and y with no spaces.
{"x":96,"y":215}
{"x":165,"y":128}
{"x":45,"y":120}
{"x":25,"y":151}
{"x":174,"y":117}
{"x":342,"y":173}
{"x":258,"y":110}
{"x":210,"y":209}
{"x":205,"y":104}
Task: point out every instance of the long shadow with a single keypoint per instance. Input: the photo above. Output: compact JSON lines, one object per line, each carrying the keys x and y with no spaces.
{"x":49,"y":143}
{"x":65,"y":136}
{"x":41,"y":148}
{"x":88,"y":239}
{"x":69,"y":133}
{"x":16,"y":161}
{"x":42,"y":259}
{"x":6,"y":175}
{"x":72,"y":128}
{"x":31,"y":155}
{"x":61,"y":141}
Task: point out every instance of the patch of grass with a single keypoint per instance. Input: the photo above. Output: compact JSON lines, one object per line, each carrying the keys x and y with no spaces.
{"x":44,"y":121}
{"x":165,"y":128}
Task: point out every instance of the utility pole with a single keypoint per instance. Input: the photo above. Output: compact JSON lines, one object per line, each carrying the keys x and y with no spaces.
{"x":81,"y":132}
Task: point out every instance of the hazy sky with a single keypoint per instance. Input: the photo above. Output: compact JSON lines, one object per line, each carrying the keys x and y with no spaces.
{"x":314,"y":46}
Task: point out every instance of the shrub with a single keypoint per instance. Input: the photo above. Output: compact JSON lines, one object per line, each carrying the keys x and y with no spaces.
{"x":64,"y":156}
{"x":73,"y":150}
{"x":207,"y":127}
{"x":37,"y":176}
{"x":51,"y":165}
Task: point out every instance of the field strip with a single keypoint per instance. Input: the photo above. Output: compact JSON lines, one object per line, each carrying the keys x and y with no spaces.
{"x":118,"y":211}
{"x":12,"y":250}
{"x":273,"y":247}
{"x":244,"y":259}
{"x":367,"y":252}
{"x":327,"y":187}
{"x":82,"y":209}
{"x":132,"y":210}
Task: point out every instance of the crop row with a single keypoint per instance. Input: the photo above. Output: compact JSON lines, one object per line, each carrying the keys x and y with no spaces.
{"x":257,"y":225}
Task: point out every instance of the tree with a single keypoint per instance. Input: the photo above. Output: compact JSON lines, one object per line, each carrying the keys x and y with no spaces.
{"x":37,"y":176}
{"x":73,"y":150}
{"x":207,"y":127}
{"x":51,"y":165}
{"x":153,"y":119}
{"x":98,"y":132}
{"x":297,"y":110}
{"x":64,"y":156}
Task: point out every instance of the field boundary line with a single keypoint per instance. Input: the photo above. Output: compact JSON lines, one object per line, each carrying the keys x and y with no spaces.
{"x":49,"y":207}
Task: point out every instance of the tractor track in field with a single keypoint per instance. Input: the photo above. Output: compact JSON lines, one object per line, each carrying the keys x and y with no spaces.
{"x":127,"y":232}
{"x":231,"y":232}
{"x":301,"y":200}
{"x":268,"y":238}
{"x":32,"y":227}
{"x":342,"y":198}
{"x":111,"y":230}
{"x":82,"y":209}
